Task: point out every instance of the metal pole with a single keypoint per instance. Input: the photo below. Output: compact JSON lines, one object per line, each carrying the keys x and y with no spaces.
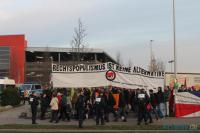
{"x":58,"y":57}
{"x":151,"y":55}
{"x":95,"y":57}
{"x":174,"y":32}
{"x":171,"y":68}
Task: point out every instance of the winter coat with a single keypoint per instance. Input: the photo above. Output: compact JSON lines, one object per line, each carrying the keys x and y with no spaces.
{"x":54,"y":103}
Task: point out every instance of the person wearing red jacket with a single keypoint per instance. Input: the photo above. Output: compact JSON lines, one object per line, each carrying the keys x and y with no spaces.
{"x":59,"y":97}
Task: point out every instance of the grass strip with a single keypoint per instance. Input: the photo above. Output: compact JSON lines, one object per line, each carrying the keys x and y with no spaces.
{"x":75,"y":127}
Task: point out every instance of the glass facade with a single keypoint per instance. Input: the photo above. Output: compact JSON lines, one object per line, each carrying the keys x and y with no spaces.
{"x":4,"y":61}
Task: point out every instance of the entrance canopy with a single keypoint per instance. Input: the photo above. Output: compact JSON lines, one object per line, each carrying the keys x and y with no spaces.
{"x":105,"y":74}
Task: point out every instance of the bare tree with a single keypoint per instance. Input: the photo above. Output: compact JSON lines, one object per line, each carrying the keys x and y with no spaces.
{"x":156,"y":65}
{"x":130,"y":63}
{"x":78,"y":42}
{"x":119,"y":58}
{"x":160,"y":65}
{"x":153,"y":64}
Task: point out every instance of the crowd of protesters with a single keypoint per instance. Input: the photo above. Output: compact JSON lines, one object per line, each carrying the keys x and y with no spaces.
{"x":184,"y":88}
{"x":99,"y":103}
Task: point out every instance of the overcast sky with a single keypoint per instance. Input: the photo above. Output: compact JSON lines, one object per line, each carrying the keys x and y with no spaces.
{"x":113,"y":25}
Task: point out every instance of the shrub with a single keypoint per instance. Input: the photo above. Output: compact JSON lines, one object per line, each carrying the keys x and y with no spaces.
{"x":10,"y":96}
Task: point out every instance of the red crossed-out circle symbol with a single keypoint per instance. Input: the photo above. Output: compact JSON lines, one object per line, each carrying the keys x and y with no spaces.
{"x":110,"y":75}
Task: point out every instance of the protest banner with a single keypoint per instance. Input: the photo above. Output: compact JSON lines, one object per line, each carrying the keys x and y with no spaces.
{"x":105,"y":74}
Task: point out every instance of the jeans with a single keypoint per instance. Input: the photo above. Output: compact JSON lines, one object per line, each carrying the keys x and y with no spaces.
{"x":34,"y":115}
{"x":122,"y":112}
{"x":54,"y":114}
{"x":154,"y":111}
{"x":43,"y":111}
{"x":162,"y":109}
{"x":167,"y":108}
{"x":80,"y":117}
{"x":99,"y":115}
{"x":142,"y":115}
{"x":63,"y":113}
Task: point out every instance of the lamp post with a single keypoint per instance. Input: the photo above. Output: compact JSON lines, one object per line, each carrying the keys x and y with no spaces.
{"x":151,"y":55}
{"x":174,"y":38}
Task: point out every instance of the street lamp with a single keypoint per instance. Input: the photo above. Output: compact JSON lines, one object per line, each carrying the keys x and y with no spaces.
{"x":151,"y":55}
{"x":174,"y":37}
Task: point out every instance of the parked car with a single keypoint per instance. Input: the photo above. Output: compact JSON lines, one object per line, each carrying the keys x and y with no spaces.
{"x":30,"y":88}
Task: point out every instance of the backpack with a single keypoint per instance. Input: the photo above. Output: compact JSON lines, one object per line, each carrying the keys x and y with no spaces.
{"x":149,"y":106}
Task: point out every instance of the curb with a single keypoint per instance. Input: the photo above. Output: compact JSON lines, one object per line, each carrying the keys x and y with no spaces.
{"x":92,"y":131}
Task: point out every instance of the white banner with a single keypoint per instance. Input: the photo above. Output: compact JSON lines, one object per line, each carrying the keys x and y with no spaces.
{"x":105,"y":74}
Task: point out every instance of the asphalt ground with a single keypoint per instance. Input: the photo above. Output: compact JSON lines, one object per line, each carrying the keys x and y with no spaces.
{"x":11,"y":117}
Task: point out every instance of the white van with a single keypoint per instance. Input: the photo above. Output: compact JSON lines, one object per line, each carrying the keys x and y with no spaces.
{"x":4,"y":83}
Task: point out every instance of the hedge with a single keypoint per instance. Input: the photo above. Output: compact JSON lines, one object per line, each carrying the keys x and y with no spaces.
{"x":10,"y":96}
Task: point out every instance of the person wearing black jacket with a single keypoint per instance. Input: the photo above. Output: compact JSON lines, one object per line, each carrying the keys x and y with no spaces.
{"x":122,"y":105}
{"x":153,"y":104}
{"x":110,"y":102}
{"x":126,"y":96}
{"x":34,"y":103}
{"x":80,"y":107}
{"x":63,"y":108}
{"x":44,"y":105}
{"x":161,"y":102}
{"x":142,"y":100}
{"x":100,"y":106}
{"x":135,"y":100}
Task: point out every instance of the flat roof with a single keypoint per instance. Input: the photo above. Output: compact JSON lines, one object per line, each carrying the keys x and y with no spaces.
{"x":62,"y":49}
{"x":67,"y":50}
{"x":183,"y":73}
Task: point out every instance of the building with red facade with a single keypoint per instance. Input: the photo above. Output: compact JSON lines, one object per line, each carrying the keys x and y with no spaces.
{"x":16,"y":45}
{"x":33,"y":64}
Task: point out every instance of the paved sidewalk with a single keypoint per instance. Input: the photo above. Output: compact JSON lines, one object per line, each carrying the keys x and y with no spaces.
{"x":12,"y":117}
